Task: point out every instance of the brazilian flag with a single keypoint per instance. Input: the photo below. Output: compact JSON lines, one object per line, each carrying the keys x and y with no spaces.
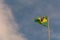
{"x":42,"y":20}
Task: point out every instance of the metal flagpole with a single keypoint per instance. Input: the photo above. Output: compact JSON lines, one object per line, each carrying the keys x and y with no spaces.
{"x":48,"y":30}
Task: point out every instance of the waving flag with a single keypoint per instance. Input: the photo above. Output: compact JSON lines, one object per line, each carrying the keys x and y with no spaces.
{"x":42,"y":20}
{"x":45,"y":22}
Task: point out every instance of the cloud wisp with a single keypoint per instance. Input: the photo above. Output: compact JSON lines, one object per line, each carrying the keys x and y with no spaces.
{"x":8,"y":26}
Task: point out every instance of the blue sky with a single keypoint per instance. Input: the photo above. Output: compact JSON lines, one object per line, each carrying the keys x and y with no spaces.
{"x":25,"y":11}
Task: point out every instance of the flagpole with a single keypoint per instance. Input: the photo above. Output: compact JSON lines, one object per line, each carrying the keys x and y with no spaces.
{"x":48,"y":30}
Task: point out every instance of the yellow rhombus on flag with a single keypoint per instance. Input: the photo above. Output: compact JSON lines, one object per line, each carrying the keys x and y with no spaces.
{"x":42,"y":20}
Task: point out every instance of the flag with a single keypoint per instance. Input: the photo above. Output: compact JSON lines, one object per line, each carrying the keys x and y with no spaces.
{"x":42,"y":20}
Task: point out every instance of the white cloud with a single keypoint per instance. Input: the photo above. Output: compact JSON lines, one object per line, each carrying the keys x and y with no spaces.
{"x":8,"y":26}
